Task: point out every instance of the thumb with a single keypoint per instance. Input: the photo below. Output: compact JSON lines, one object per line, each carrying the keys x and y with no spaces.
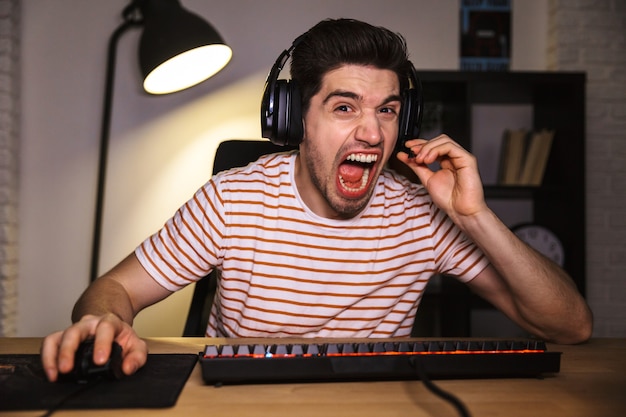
{"x":422,"y":171}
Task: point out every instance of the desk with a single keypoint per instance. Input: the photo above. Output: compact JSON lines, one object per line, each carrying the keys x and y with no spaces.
{"x":592,"y":382}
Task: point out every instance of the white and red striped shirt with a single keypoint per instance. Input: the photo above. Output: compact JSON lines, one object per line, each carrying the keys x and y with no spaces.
{"x":287,"y":272}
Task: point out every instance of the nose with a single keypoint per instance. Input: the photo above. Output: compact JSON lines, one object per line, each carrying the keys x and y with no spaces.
{"x":369,"y":130}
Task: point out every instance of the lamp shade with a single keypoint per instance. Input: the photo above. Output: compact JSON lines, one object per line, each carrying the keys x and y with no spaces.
{"x":177,"y":49}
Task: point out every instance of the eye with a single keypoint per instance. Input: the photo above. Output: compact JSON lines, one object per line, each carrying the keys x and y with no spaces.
{"x":389,"y":111}
{"x":343,"y":108}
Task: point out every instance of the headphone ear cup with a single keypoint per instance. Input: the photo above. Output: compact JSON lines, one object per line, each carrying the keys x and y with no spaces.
{"x":287,"y":129}
{"x":410,"y":121}
{"x":295,"y":128}
{"x":408,"y":125}
{"x":280,"y":115}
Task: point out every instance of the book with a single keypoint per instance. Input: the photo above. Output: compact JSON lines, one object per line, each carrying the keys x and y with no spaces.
{"x":489,"y":123}
{"x":524,"y":156}
{"x":537,"y":157}
{"x":512,"y":156}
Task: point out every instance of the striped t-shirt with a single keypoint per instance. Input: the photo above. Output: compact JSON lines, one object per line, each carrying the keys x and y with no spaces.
{"x":287,"y":272}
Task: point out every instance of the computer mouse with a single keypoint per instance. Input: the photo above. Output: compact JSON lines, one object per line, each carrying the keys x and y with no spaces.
{"x":85,"y":370}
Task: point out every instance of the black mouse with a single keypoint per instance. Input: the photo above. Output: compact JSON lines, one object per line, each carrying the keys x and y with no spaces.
{"x":86,"y":370}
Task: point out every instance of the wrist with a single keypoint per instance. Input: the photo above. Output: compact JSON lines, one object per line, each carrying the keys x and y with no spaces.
{"x":477,"y":222}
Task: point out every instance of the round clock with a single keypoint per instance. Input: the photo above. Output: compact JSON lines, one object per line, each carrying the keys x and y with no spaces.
{"x":541,"y":239}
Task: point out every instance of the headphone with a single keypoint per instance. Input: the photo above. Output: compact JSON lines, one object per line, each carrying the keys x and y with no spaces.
{"x":281,"y":107}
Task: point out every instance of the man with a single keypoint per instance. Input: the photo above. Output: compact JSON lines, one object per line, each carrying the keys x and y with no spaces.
{"x":326,"y":241}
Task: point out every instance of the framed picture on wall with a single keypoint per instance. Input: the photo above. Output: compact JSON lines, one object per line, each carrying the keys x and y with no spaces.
{"x":485,"y":35}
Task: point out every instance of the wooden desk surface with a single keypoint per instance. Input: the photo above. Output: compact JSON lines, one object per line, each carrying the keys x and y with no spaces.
{"x":592,"y":383}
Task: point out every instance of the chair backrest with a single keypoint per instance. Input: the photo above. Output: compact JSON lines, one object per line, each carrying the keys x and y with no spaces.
{"x":230,"y":153}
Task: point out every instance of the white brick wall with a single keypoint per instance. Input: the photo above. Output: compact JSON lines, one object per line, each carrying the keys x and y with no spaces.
{"x":590,"y":36}
{"x":9,"y":157}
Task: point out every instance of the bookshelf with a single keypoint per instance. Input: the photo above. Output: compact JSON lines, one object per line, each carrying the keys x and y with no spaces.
{"x":474,"y":108}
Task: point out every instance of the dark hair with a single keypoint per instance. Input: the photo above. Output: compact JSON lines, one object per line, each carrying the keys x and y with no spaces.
{"x":336,"y":42}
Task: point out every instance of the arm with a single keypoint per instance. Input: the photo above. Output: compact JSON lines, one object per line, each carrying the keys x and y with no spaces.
{"x":105,"y":311}
{"x":529,"y":288}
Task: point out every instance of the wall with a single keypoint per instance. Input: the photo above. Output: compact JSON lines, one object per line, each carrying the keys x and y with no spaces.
{"x":9,"y":157}
{"x":161,"y":147}
{"x":590,"y":36}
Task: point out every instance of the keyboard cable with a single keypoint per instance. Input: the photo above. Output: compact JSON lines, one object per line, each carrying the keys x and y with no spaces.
{"x":418,"y":365}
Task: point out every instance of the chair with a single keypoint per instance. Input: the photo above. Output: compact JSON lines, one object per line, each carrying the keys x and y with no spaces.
{"x":230,"y":153}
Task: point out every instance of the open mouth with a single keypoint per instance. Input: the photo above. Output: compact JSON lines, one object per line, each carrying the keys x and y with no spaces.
{"x":354,"y":173}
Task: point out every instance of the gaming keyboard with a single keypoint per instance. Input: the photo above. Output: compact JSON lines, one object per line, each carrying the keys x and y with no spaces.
{"x":375,"y":360}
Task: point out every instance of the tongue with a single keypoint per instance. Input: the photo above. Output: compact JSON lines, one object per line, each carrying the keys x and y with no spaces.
{"x":351,"y":174}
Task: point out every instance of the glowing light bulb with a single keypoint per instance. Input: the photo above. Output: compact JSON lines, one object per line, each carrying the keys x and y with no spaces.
{"x":187,"y":69}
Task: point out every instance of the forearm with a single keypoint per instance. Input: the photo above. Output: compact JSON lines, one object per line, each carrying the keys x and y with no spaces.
{"x":104,"y":296}
{"x":123,"y":291}
{"x":540,"y":294}
{"x":525,"y":285}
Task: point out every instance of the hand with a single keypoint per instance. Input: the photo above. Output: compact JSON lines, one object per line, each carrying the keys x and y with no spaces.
{"x":58,"y":349}
{"x":456,"y":188}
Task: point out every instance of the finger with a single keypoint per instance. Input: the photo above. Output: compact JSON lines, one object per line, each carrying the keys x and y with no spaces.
{"x":413,"y":146}
{"x":423,"y":171}
{"x":404,"y":157}
{"x":70,"y":339}
{"x":106,"y":332}
{"x":68,"y":344}
{"x":135,"y":356}
{"x":134,"y":349}
{"x":425,"y":152}
{"x":49,"y":351}
{"x":439,"y":149}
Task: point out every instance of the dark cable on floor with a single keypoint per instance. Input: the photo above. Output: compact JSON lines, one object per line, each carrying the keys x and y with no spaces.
{"x":450,"y":398}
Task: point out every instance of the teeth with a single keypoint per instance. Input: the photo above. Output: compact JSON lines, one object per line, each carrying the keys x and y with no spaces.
{"x":359,"y":157}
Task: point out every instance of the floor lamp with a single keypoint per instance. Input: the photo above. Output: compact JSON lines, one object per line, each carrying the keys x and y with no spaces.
{"x":177,"y":50}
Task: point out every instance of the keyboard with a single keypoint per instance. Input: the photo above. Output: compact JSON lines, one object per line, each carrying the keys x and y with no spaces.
{"x":375,"y":360}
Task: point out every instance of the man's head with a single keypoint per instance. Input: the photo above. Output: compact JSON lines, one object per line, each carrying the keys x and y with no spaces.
{"x":332,"y":43}
{"x":351,"y":76}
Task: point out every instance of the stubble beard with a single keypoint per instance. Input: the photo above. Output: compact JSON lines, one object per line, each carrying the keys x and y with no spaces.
{"x":344,"y":208}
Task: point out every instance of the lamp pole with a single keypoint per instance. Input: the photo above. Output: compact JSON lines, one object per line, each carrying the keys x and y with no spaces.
{"x":130,"y":20}
{"x":170,"y":32}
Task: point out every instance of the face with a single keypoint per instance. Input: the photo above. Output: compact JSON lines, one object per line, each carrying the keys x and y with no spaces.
{"x":350,"y":130}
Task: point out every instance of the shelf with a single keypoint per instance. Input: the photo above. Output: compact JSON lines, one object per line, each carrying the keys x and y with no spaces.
{"x":510,"y":191}
{"x":474,"y":108}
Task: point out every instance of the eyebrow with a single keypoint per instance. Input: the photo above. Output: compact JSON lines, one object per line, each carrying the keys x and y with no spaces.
{"x":354,"y":96}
